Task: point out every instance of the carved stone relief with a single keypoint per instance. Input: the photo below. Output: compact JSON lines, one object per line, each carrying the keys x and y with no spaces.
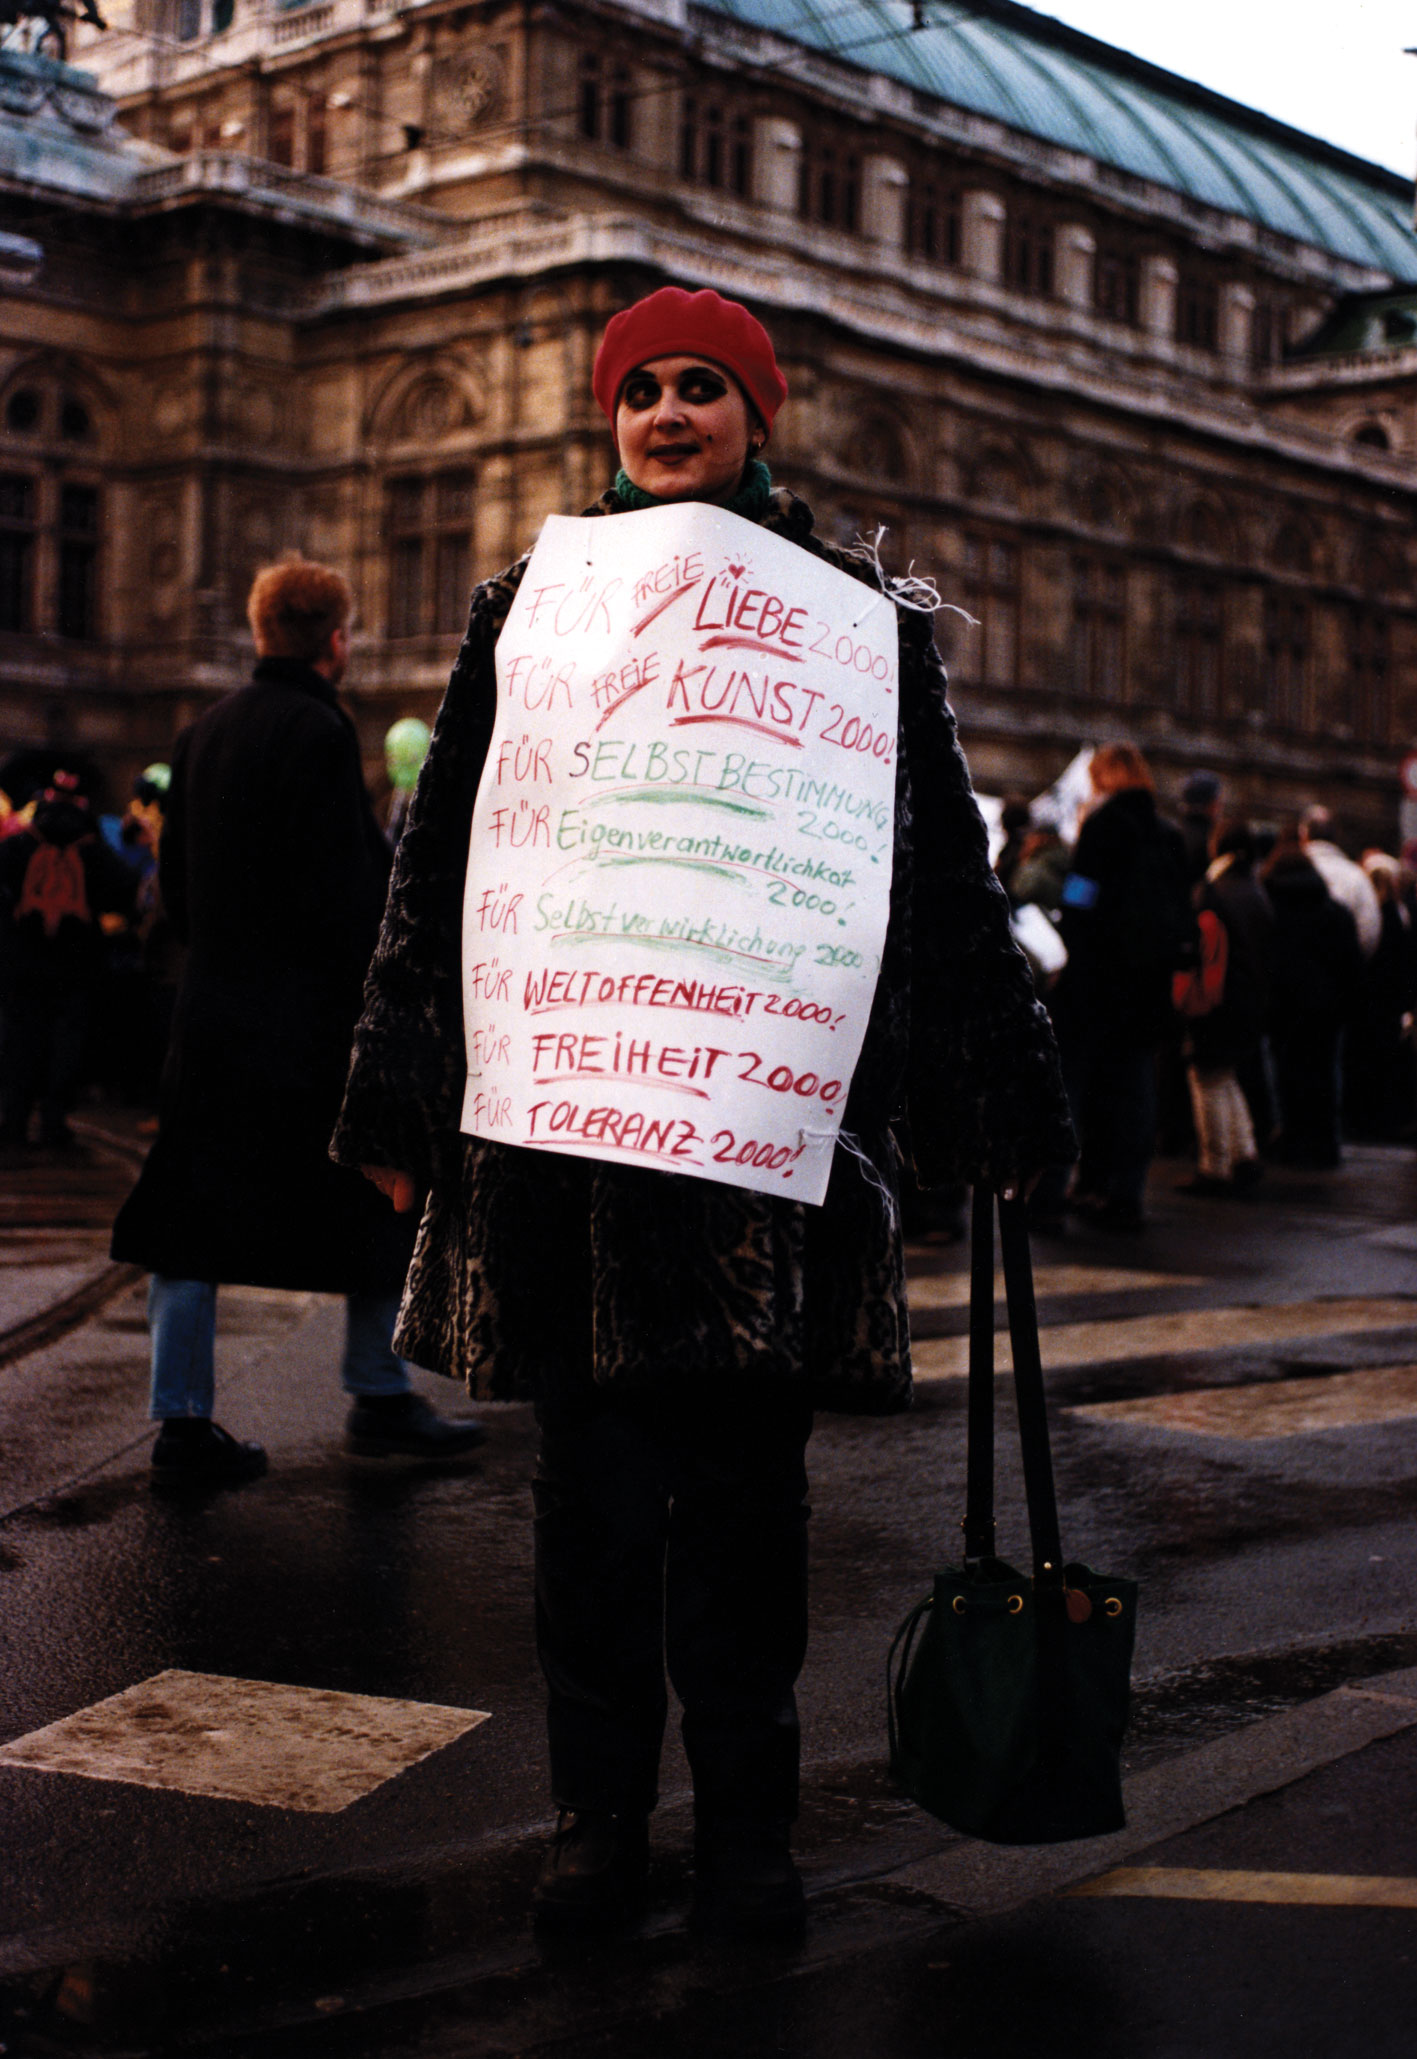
{"x":471,"y":87}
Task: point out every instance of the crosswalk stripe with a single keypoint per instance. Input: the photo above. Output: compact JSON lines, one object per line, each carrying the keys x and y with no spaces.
{"x":1273,"y":1408}
{"x":1206,"y":1884}
{"x":951,"y":1290}
{"x":1157,"y":1336}
{"x":261,"y":1742}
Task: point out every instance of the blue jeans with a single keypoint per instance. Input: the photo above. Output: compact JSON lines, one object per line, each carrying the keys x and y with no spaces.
{"x":182,"y":1320}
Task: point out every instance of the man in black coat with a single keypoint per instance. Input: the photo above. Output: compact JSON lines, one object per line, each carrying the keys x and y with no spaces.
{"x":273,"y":872}
{"x":1128,"y":925}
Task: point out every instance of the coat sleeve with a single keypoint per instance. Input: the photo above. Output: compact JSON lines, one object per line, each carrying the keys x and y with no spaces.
{"x":984,"y":1090}
{"x":403,"y":1097}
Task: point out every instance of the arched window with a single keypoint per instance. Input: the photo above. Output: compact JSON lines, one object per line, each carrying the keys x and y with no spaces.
{"x":1371,"y":436}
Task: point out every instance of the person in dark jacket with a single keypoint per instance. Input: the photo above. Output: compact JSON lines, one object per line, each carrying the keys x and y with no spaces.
{"x":61,"y":887}
{"x":1229,"y":1036}
{"x":1128,"y":925}
{"x":687,"y":1329}
{"x":1378,"y":1068}
{"x":273,"y":871}
{"x":1318,"y":968}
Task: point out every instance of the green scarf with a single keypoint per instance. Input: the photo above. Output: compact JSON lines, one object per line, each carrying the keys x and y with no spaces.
{"x":750,"y":501}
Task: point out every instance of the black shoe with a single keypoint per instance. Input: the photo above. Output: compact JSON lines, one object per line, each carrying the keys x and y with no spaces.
{"x":1246,"y":1173}
{"x":745,"y":1884}
{"x":596,"y":1869}
{"x":193,"y":1451}
{"x":1120,"y":1215}
{"x":406,"y":1426}
{"x":1206,"y":1183}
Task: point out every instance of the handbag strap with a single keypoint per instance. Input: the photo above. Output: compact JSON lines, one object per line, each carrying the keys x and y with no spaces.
{"x":1032,"y":1404}
{"x":978,"y":1524}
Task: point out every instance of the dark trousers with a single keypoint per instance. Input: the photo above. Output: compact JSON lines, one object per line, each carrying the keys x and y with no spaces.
{"x":1112,"y":1095}
{"x":1306,"y":1065}
{"x":673,"y":1529}
{"x":46,"y":1023}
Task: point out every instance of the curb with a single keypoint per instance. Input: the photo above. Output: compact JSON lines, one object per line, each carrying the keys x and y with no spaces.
{"x":970,"y":1880}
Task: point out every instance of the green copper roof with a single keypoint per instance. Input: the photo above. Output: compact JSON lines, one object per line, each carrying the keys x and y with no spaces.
{"x":1033,"y":73}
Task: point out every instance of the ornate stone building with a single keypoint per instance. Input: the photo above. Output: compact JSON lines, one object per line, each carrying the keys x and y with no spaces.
{"x":1131,"y":370}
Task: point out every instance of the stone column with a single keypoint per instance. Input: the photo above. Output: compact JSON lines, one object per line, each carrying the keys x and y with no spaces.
{"x":777,"y":151}
{"x":1074,"y":261}
{"x":1158,"y":296}
{"x":1237,"y":317}
{"x":982,"y":235}
{"x":885,"y":183}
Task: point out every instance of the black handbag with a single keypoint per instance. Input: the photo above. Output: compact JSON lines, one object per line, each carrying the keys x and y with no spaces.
{"x":1007,"y":1696}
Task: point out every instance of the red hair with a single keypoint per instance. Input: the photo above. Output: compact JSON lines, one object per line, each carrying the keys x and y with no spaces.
{"x":295,"y":607}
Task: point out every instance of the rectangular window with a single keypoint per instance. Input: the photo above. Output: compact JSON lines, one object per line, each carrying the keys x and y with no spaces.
{"x":430,"y":531}
{"x":1286,"y":642}
{"x":829,"y":184}
{"x":1200,"y":647}
{"x":605,"y":103}
{"x":991,"y":589}
{"x":1028,"y":253}
{"x":715,"y":148}
{"x":590,"y":97}
{"x":1369,"y":657}
{"x":17,"y":523}
{"x":316,"y":132}
{"x":1099,"y":631}
{"x":1117,"y":286}
{"x":1267,"y":327}
{"x":187,"y":20}
{"x":933,"y":222}
{"x":621,"y":102}
{"x":1197,"y":312}
{"x":282,"y":135}
{"x":78,"y":561}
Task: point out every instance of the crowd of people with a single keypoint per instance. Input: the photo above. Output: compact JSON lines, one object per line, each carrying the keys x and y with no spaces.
{"x":1242,"y":990}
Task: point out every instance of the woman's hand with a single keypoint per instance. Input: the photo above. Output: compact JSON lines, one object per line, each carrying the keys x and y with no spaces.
{"x":1017,"y":1190}
{"x":398,"y":1186}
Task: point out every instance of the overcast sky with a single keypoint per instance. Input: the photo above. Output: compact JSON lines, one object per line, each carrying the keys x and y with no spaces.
{"x":1335,"y":70}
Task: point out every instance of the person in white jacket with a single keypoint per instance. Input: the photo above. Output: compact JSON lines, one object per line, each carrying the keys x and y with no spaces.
{"x":1346,"y":881}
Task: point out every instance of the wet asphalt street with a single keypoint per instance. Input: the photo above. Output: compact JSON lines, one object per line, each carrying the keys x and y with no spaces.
{"x":1235,"y":1424}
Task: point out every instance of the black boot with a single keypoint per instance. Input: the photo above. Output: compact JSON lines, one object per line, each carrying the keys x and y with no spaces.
{"x":596,"y":1869}
{"x":193,"y":1451}
{"x":745,"y":1884}
{"x":406,"y":1426}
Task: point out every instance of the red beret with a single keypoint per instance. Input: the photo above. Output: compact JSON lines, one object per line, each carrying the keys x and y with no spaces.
{"x":673,"y":323}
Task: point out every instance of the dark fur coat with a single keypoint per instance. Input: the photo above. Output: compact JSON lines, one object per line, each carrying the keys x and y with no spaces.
{"x":530,"y":1266}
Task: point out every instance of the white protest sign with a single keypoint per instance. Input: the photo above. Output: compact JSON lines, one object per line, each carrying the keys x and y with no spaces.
{"x":680,"y":864}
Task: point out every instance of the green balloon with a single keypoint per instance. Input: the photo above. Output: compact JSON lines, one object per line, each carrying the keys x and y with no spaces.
{"x":405,"y":748}
{"x":159,"y":776}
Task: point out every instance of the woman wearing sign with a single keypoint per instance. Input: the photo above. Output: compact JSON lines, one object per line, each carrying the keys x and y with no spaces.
{"x":676,"y":1334}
